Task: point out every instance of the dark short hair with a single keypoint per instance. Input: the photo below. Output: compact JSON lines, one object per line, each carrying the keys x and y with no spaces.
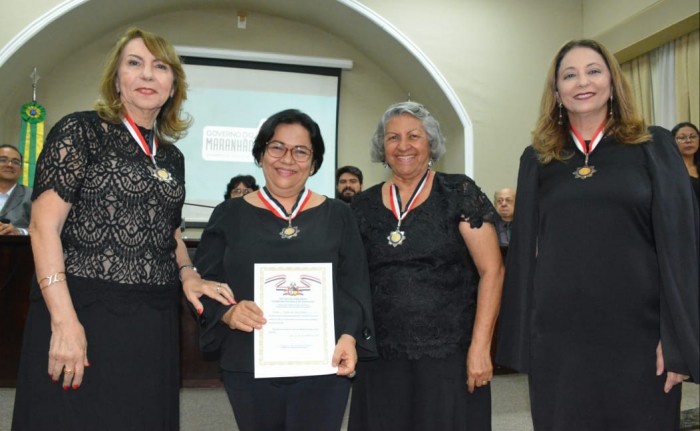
{"x":247,"y":180}
{"x":348,"y":170}
{"x":679,"y":126}
{"x":290,"y":116}
{"x":21,"y":159}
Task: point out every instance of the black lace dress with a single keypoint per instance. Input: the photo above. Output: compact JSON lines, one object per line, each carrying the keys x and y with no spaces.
{"x":424,"y":303}
{"x":423,"y":291}
{"x":119,"y":253}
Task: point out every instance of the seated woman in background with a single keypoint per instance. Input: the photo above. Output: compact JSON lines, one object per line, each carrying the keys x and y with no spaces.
{"x":239,"y":186}
{"x":686,"y":136}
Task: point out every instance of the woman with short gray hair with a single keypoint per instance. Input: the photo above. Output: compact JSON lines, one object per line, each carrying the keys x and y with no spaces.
{"x":431,"y":246}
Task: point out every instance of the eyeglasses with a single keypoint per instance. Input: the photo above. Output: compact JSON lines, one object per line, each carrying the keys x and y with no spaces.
{"x":240,"y":192}
{"x":278,"y":150}
{"x":683,"y":138}
{"x":505,"y":200}
{"x":7,"y":160}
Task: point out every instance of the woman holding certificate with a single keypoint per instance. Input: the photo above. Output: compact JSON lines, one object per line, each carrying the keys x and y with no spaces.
{"x":432,"y":247}
{"x":278,"y":228}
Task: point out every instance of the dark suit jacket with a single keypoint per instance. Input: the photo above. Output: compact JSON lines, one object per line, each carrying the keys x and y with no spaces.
{"x":18,"y":207}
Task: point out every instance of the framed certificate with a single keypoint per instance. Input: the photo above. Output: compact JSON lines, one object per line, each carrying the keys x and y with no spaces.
{"x":299,"y":336}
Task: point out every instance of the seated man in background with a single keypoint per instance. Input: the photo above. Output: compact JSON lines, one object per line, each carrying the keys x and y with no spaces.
{"x":348,"y":183}
{"x":15,"y":199}
{"x":504,"y":201}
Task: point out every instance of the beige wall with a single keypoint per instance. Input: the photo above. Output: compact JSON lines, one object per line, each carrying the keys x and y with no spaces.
{"x":17,"y":15}
{"x":493,"y":53}
{"x":630,"y":28}
{"x":366,"y":90}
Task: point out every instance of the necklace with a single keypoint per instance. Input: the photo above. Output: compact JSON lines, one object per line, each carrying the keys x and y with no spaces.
{"x":289,"y":231}
{"x":586,"y":171}
{"x":397,"y":236}
{"x":161,"y":173}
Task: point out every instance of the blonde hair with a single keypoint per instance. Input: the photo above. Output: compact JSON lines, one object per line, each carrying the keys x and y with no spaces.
{"x":625,"y":124}
{"x":171,"y":125}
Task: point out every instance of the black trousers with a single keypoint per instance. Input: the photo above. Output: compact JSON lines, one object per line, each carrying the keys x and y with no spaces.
{"x":421,"y":394}
{"x":287,"y":404}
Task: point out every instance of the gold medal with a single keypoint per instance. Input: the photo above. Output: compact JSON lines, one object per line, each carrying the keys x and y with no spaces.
{"x":163,"y":175}
{"x":289,"y":232}
{"x":584,"y":172}
{"x":396,"y":238}
{"x":586,"y":147}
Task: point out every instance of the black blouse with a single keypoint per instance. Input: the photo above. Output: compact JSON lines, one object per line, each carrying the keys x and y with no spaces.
{"x":240,"y":235}
{"x":424,"y":290}
{"x":119,"y":232}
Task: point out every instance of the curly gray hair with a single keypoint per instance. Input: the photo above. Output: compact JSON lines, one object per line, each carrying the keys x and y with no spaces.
{"x":430,"y":125}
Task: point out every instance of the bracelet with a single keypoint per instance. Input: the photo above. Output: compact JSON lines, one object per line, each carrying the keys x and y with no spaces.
{"x":189,"y":265}
{"x":52,"y":279}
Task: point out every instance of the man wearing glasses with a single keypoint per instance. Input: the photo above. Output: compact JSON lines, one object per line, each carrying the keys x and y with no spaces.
{"x":15,"y":199}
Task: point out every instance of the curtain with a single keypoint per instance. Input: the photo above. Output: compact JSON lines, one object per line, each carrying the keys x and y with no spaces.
{"x":666,"y":82}
{"x":687,"y":76}
{"x":638,"y":73}
{"x":662,"y":86}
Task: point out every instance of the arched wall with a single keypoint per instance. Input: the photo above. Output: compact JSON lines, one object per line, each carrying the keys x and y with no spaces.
{"x":69,"y":82}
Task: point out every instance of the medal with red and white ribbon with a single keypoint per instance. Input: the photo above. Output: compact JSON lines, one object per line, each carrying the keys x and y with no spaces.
{"x":277,"y":209}
{"x":586,"y":171}
{"x":397,"y":237}
{"x":160,"y":173}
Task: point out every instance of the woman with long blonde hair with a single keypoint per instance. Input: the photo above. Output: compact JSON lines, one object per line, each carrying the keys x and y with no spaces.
{"x":600,"y":302}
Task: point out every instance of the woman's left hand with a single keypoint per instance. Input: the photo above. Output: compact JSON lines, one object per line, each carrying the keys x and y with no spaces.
{"x":194,"y":287}
{"x":345,"y":355}
{"x":479,"y":367}
{"x":672,"y":379}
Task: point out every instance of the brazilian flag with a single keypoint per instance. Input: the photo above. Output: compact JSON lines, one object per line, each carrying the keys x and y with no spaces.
{"x":31,"y":139}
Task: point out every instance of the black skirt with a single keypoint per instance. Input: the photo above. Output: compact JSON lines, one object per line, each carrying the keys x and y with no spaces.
{"x":132,"y":382}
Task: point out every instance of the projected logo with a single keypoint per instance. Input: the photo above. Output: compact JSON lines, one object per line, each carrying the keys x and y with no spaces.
{"x":228,"y":144}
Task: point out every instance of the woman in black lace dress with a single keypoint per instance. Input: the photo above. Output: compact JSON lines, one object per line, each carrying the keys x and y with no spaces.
{"x":436,"y":276}
{"x":100,"y":346}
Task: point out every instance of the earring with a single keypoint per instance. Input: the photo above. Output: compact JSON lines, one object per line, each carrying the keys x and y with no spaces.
{"x":561,"y":121}
{"x":611,"y":105}
{"x":430,"y":163}
{"x":386,"y":165}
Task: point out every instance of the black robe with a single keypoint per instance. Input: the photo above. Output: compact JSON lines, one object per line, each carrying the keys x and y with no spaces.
{"x":670,"y":217}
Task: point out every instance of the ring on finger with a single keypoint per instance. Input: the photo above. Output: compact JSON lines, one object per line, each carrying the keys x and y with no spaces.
{"x":67,"y":371}
{"x":218,"y":287}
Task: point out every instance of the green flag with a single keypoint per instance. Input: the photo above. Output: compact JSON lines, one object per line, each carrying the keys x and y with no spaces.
{"x":31,"y":140}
